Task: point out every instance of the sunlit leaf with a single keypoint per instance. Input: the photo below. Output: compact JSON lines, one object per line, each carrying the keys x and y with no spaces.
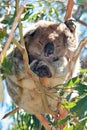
{"x":67,"y":104}
{"x":72,"y":82}
{"x":69,"y":128}
{"x":82,"y":71}
{"x":26,"y":16}
{"x":30,"y":6}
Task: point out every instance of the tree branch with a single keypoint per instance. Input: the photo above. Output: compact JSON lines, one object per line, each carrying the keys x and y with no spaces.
{"x":82,"y":22}
{"x":69,"y":10}
{"x":75,"y":56}
{"x":12,"y":32}
{"x":19,"y":24}
{"x":44,"y":122}
{"x":11,"y":112}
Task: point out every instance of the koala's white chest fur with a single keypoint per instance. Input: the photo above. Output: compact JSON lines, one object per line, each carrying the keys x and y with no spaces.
{"x":46,"y":44}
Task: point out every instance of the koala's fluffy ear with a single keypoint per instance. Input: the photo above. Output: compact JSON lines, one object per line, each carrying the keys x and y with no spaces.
{"x":29,"y":34}
{"x":32,"y":32}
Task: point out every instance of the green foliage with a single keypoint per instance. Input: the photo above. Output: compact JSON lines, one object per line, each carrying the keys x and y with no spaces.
{"x":81,"y":88}
{"x":61,"y":121}
{"x":80,"y":108}
{"x":81,"y":1}
{"x":6,"y":66}
{"x":72,"y":82}
{"x":50,"y":13}
{"x":81,"y":125}
{"x":25,"y":121}
{"x":68,"y":105}
{"x":69,"y":128}
{"x":3,"y":32}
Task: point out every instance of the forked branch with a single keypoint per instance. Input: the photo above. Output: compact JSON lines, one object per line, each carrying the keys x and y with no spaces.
{"x":75,"y":56}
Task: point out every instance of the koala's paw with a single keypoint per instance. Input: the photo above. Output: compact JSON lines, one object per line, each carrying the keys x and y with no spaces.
{"x":71,"y":25}
{"x":40,"y":68}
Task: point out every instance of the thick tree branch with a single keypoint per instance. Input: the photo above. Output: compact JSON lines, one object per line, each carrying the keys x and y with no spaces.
{"x":69,"y":10}
{"x":44,"y":122}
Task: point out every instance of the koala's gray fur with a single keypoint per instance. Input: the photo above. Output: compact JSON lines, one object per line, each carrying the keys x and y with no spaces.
{"x":46,"y":44}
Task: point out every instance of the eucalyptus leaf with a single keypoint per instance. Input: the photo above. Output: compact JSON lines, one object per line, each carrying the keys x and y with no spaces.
{"x":80,"y":126}
{"x":81,"y":88}
{"x":67,"y":104}
{"x":80,"y":108}
{"x":3,"y":33}
{"x":69,"y":128}
{"x":6,"y":66}
{"x":72,"y":82}
{"x":60,"y":122}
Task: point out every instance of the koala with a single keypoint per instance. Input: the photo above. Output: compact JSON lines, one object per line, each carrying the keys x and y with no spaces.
{"x":46,"y":44}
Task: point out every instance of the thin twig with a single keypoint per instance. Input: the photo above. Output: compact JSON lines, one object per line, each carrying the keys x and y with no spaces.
{"x":11,"y":112}
{"x":19,"y":24}
{"x":81,"y":4}
{"x":12,"y":32}
{"x":33,"y":76}
{"x":82,"y":22}
{"x":78,"y":50}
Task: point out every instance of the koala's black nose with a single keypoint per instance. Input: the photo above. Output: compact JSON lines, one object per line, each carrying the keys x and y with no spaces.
{"x":48,"y":49}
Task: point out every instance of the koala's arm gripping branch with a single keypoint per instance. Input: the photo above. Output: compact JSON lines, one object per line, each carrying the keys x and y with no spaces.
{"x":35,"y":79}
{"x":26,"y":64}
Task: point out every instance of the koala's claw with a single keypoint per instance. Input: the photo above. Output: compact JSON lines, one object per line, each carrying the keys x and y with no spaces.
{"x":43,"y":71}
{"x":40,"y":69}
{"x":71,"y":25}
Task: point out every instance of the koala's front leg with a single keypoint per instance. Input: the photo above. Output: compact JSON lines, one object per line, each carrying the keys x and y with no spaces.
{"x":40,"y":68}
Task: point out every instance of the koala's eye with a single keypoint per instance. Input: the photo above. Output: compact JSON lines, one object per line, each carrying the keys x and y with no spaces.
{"x":71,"y":25}
{"x":32,"y":33}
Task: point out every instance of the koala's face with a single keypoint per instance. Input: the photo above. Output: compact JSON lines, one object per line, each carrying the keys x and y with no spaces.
{"x":47,"y":44}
